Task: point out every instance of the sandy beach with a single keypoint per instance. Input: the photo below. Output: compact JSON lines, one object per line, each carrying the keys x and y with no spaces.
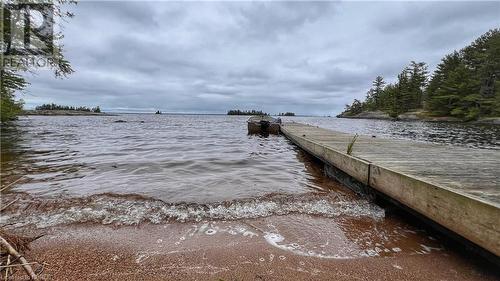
{"x":243,"y":250}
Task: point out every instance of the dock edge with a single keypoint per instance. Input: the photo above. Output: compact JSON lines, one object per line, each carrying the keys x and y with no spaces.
{"x":471,"y":218}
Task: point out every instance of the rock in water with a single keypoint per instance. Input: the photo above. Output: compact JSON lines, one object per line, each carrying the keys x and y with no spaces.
{"x":263,"y":125}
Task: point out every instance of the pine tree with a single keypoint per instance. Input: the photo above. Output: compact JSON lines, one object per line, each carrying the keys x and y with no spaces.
{"x":440,"y":100}
{"x":466,"y":84}
{"x":10,"y":82}
{"x":11,"y":78}
{"x":370,"y":101}
{"x":403,"y":97}
{"x":417,"y":83}
{"x":377,"y":90}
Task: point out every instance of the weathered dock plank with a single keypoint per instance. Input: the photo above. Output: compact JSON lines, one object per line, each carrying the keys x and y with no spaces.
{"x":456,"y":187}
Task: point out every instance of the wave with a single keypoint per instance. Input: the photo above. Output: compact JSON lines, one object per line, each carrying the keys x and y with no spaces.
{"x":135,"y":209}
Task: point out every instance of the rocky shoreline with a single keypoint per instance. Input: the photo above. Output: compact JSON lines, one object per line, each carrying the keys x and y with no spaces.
{"x":418,"y":116}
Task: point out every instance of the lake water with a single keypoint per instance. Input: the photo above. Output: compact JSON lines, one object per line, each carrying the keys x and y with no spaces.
{"x":162,"y":169}
{"x":192,"y":163}
{"x":462,"y":134}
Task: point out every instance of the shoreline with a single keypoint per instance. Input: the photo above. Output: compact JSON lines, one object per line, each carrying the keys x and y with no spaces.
{"x":237,"y":250}
{"x":420,"y":116}
{"x":333,"y":236}
{"x":63,"y":113}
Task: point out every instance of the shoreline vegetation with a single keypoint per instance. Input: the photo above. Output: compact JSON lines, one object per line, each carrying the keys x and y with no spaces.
{"x":254,"y":112}
{"x":62,"y":113}
{"x":54,"y":106}
{"x":65,"y":110}
{"x":419,"y":115}
{"x":13,"y":79}
{"x":246,"y":112}
{"x":464,"y":87}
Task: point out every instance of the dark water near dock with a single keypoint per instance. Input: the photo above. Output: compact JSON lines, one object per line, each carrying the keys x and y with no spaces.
{"x":162,"y":169}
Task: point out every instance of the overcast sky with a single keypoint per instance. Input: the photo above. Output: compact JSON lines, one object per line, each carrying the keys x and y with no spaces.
{"x":309,"y":58}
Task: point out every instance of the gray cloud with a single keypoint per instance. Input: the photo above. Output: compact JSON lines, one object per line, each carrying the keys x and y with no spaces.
{"x":310,"y":58}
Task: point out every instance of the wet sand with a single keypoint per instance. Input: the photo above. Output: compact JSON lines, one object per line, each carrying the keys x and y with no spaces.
{"x":292,"y":247}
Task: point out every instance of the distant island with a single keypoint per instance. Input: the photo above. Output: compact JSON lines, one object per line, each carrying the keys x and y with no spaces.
{"x":464,"y":87}
{"x":53,"y":106}
{"x":287,"y":114}
{"x":246,"y":112}
{"x":55,"y":109}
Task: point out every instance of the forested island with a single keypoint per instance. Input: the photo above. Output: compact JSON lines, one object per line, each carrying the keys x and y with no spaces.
{"x":53,"y":106}
{"x":55,"y":109}
{"x":287,"y":114}
{"x":246,"y":112}
{"x":464,"y":87}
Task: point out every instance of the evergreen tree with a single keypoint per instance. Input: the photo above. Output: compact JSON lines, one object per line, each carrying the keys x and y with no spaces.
{"x":438,"y":100}
{"x":355,"y":108}
{"x":11,"y":79}
{"x":9,"y":83}
{"x":377,"y":90}
{"x":403,"y":97}
{"x":388,"y":99}
{"x":370,"y":101}
{"x":466,"y":84}
{"x":417,"y":83}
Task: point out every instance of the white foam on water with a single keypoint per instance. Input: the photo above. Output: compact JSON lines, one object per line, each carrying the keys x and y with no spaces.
{"x":428,"y":249}
{"x":276,"y":239}
{"x":397,"y":266}
{"x":213,"y":228}
{"x":141,"y":257}
{"x":352,"y":251}
{"x":122,"y":210}
{"x":210,"y":232}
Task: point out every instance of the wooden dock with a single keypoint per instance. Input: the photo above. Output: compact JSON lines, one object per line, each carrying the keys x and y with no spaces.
{"x":457,"y":188}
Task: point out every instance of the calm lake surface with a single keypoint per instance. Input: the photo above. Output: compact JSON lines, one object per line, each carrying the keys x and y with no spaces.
{"x":163,"y":169}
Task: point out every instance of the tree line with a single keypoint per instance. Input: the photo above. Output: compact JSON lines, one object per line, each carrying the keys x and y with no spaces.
{"x":52,"y":106}
{"x":465,"y":84}
{"x":286,"y":114}
{"x":246,"y":112}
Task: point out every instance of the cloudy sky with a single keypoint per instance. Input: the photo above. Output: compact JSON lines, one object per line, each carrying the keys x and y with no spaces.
{"x":309,"y":58}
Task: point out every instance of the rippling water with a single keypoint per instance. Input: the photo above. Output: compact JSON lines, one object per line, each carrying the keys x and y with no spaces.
{"x":172,"y":158}
{"x":462,"y":134}
{"x":159,"y":168}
